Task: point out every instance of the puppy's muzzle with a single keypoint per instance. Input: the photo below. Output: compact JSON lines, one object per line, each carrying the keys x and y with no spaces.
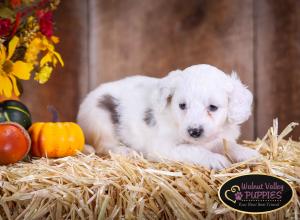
{"x":195,"y":132}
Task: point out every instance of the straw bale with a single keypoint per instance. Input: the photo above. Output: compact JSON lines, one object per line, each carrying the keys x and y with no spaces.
{"x":118,"y":187}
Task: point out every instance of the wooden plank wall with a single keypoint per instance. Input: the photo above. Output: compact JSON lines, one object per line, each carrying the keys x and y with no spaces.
{"x":107,"y":40}
{"x":277,"y":57}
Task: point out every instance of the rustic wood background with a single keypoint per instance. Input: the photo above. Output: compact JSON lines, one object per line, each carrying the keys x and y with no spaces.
{"x":107,"y":40}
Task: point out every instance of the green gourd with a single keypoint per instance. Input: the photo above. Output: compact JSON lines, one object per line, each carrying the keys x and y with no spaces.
{"x":15,"y":111}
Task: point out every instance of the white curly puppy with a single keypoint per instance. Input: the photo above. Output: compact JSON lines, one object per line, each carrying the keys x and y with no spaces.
{"x":182,"y":117}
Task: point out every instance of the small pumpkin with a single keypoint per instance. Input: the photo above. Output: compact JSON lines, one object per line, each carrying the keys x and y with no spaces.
{"x":55,"y":139}
{"x":14,"y":143}
{"x":15,"y":111}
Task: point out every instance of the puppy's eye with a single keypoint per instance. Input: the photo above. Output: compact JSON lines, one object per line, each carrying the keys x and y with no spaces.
{"x":212,"y":108}
{"x":182,"y":106}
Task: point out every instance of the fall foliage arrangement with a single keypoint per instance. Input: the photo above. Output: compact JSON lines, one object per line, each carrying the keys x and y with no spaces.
{"x":27,"y":50}
{"x":27,"y":43}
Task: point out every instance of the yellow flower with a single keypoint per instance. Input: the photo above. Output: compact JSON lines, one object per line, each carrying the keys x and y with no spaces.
{"x":33,"y":51}
{"x":10,"y":70}
{"x":42,"y":44}
{"x":51,"y":56}
{"x":44,"y":74}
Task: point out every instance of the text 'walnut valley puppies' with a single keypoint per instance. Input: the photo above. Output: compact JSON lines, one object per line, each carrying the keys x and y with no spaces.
{"x":182,"y":117}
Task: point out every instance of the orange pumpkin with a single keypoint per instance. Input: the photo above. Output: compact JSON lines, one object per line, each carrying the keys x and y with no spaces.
{"x":14,"y":143}
{"x":55,"y":139}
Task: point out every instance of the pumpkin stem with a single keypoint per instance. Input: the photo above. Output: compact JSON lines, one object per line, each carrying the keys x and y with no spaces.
{"x":54,"y":112}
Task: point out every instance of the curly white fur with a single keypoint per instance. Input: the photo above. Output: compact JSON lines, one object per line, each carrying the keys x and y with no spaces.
{"x":182,"y":117}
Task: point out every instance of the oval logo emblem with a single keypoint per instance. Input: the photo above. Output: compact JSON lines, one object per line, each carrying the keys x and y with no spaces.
{"x":255,"y":193}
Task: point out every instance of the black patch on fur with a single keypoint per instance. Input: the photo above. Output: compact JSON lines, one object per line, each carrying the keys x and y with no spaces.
{"x":110,"y":104}
{"x":149,"y":117}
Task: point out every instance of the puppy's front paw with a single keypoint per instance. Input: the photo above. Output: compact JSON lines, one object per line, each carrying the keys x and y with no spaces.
{"x":244,"y":153}
{"x":212,"y":161}
{"x":88,"y":149}
{"x":122,"y":150}
{"x":218,"y":162}
{"x":215,"y":161}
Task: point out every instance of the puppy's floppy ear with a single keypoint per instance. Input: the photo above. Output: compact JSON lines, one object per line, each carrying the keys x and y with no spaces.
{"x":240,"y":101}
{"x":166,"y":88}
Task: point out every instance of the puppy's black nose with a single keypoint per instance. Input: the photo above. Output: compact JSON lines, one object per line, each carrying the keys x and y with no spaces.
{"x":195,"y":132}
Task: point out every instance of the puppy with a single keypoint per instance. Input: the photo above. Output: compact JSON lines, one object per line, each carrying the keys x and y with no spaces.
{"x":183,"y":117}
